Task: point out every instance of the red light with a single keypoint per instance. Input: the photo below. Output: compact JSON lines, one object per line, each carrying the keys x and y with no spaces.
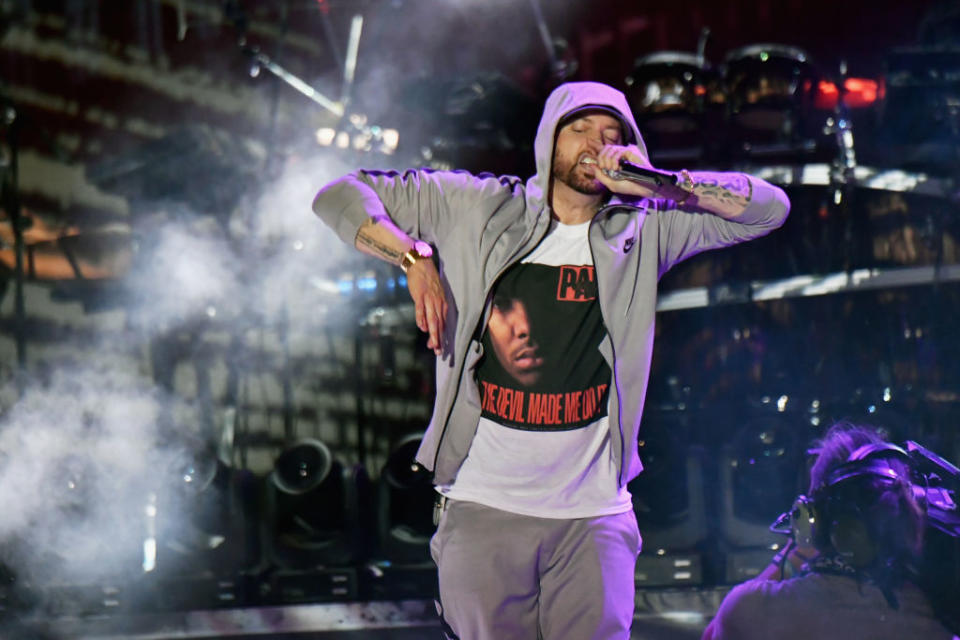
{"x":826,"y":96}
{"x":858,"y":93}
{"x":861,"y":92}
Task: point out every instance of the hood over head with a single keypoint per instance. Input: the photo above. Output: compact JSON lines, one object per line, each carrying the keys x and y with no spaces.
{"x":565,"y":101}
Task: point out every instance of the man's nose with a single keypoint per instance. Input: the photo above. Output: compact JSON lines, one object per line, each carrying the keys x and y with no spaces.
{"x":521,"y":325}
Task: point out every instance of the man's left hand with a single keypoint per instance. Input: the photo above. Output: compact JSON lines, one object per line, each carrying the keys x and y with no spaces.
{"x":609,"y":159}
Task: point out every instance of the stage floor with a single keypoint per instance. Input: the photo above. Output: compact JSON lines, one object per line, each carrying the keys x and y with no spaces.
{"x":662,"y":614}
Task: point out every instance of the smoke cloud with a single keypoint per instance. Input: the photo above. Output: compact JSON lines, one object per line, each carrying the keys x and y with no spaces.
{"x":83,"y":452}
{"x":96,"y":443}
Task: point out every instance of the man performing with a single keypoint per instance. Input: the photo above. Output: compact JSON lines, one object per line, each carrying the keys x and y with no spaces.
{"x":537,"y":537}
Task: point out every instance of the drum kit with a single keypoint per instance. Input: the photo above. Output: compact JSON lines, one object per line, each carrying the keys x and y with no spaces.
{"x":765,"y":103}
{"x":840,"y":146}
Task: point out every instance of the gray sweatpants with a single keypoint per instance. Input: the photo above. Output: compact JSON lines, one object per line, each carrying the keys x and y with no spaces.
{"x":505,"y":576}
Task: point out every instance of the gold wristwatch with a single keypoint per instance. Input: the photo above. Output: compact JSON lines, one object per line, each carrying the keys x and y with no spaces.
{"x":420,"y":251}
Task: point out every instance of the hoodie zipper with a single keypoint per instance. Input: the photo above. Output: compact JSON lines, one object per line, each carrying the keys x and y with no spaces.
{"x":613,"y":349}
{"x":483,"y":309}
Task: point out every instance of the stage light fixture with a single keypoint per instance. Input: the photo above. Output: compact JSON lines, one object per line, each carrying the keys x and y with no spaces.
{"x":402,"y":567}
{"x":356,"y":134}
{"x":761,"y":472}
{"x":312,"y":508}
{"x":325,"y":136}
{"x":312,"y":532}
{"x":391,"y":139}
{"x":202,"y":493}
{"x":668,"y":499}
{"x":761,"y":469}
{"x":200,"y":534}
{"x":405,"y":505}
{"x":668,"y":495}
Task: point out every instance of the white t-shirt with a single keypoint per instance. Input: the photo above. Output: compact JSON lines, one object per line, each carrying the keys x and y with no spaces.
{"x":542,"y":447}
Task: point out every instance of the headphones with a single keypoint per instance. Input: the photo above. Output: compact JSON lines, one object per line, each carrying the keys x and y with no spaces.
{"x":828,"y":519}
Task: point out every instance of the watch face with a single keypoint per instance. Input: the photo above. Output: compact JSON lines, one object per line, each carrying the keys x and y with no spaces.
{"x":423,"y":248}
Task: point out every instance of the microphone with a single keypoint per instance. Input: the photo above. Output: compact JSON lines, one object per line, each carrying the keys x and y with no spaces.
{"x":642,"y":175}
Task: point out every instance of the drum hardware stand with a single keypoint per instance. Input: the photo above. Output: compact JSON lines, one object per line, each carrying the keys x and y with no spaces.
{"x":842,"y":174}
{"x":702,"y":44}
{"x":260,"y":60}
{"x":846,"y":161}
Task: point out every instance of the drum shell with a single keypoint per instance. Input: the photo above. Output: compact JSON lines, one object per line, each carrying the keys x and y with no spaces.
{"x":677,"y":100}
{"x":770,"y":92}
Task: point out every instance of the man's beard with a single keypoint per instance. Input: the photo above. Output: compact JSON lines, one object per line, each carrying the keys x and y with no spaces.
{"x":567,"y":173}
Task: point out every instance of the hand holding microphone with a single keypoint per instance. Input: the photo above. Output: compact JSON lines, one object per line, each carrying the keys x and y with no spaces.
{"x":651,"y":182}
{"x":653,"y":178}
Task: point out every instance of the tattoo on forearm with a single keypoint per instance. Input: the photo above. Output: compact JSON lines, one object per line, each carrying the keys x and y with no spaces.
{"x":372,"y":245}
{"x":729,"y":190}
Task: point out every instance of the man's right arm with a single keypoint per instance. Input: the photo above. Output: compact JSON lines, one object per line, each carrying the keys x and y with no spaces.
{"x":380,"y":238}
{"x":349,"y":204}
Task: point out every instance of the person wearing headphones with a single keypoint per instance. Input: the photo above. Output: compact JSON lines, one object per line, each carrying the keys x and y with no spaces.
{"x":849,"y":570}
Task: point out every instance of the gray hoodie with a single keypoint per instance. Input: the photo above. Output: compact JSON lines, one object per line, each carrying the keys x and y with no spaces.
{"x":480,"y":225}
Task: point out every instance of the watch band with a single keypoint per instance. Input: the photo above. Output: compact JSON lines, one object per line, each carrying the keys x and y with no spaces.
{"x":420,"y":251}
{"x":408,"y":259}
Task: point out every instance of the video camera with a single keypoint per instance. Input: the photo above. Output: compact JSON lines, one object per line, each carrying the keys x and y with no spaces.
{"x":936,"y":485}
{"x":939,"y":571}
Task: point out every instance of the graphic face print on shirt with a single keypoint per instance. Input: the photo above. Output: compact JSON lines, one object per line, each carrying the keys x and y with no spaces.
{"x":542,"y":369}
